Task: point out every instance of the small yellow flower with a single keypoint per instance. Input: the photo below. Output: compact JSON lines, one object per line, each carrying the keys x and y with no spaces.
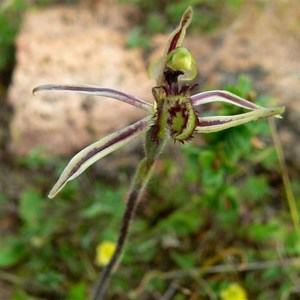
{"x":104,"y":252}
{"x":233,"y":292}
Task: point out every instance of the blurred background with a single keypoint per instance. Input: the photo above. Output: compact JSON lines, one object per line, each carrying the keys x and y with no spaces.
{"x":220,"y":217}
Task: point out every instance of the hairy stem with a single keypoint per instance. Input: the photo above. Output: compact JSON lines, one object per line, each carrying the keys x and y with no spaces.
{"x":142,"y":175}
{"x":128,"y":215}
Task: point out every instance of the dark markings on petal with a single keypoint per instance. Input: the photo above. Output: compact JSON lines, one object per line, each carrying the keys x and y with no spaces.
{"x":206,"y":123}
{"x":223,"y":95}
{"x":110,"y":93}
{"x":179,"y":110}
{"x":155,"y":128}
{"x":182,"y":119}
{"x":173,"y":43}
{"x":117,"y":139}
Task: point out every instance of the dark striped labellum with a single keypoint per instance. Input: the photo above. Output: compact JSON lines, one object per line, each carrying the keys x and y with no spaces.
{"x":176,"y":117}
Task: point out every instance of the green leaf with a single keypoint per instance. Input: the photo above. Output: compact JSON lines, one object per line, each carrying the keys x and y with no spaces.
{"x":185,"y":261}
{"x":11,"y":251}
{"x":213,"y":178}
{"x":292,"y":243}
{"x":78,"y":292}
{"x":242,"y":87}
{"x":180,"y":222}
{"x":51,"y":279}
{"x":256,"y":188}
{"x":31,"y":208}
{"x":237,"y":143}
{"x":272,"y":274}
{"x":264,"y":232}
{"x":107,"y":202}
{"x":206,"y":158}
{"x":3,"y":198}
{"x":211,"y":174}
{"x":94,"y":210}
{"x":20,"y":295}
{"x":35,"y":159}
{"x":145,"y":251}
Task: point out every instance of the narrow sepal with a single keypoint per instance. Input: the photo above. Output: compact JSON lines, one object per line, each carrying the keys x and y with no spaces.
{"x":214,"y":124}
{"x":92,"y":153}
{"x":97,"y":91}
{"x":176,"y":37}
{"x":157,"y":67}
{"x":222,"y":96}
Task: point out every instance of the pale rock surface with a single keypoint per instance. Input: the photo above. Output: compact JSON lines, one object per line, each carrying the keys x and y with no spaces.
{"x":74,"y":45}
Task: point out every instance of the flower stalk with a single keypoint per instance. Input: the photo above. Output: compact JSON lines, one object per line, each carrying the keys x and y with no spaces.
{"x":140,"y":180}
{"x":172,"y":117}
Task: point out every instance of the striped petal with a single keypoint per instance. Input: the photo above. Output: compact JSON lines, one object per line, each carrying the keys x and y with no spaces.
{"x":214,"y":124}
{"x":92,"y":153}
{"x":176,"y":37}
{"x":222,"y":96}
{"x":157,"y":67}
{"x":97,"y":91}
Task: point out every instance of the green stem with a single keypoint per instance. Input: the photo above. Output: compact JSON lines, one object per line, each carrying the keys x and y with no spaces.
{"x":142,"y":175}
{"x":286,"y":179}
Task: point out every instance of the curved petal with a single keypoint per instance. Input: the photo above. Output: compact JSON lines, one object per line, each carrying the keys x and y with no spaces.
{"x":97,"y":91}
{"x":156,"y":68}
{"x":190,"y":74}
{"x":176,"y":37}
{"x":214,"y":124}
{"x":222,"y":96}
{"x":89,"y":155}
{"x":182,"y":60}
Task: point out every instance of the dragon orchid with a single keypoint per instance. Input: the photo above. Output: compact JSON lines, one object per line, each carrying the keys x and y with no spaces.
{"x":172,"y":117}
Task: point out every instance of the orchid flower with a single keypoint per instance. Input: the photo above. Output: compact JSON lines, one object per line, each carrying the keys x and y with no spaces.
{"x":172,"y":117}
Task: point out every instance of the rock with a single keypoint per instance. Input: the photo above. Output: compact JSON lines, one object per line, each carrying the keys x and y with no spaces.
{"x":73,"y":45}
